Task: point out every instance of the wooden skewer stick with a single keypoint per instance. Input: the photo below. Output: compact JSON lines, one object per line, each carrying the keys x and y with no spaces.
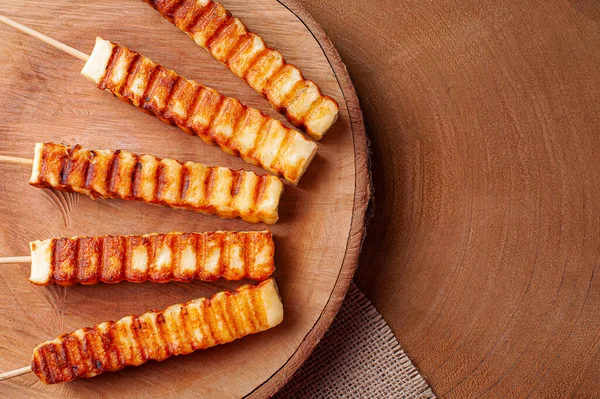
{"x":15,"y":373}
{"x":16,"y":160}
{"x":15,"y":259}
{"x":48,"y":40}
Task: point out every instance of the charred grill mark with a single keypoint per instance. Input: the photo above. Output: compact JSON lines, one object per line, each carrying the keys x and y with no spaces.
{"x":136,"y":178}
{"x":256,"y":311}
{"x":87,"y":353}
{"x":261,"y":137}
{"x":247,"y":269}
{"x":178,"y":88}
{"x":241,"y":44}
{"x":160,"y":329}
{"x":315,"y":104}
{"x":47,"y":353}
{"x":285,"y":143}
{"x":122,"y":251}
{"x":231,"y":309}
{"x":135,"y":327}
{"x":220,"y":308}
{"x":170,"y":9}
{"x":180,"y":345}
{"x":209,"y":182}
{"x":198,"y":14}
{"x":193,"y":105}
{"x":207,"y":16}
{"x":127,"y":261}
{"x":252,"y":313}
{"x":259,"y":190}
{"x":200,"y":256}
{"x":61,"y":361}
{"x":72,"y":355}
{"x":79,"y":276}
{"x":159,"y":178}
{"x":152,"y":246}
{"x":183,"y":12}
{"x":221,"y":30}
{"x":67,"y":363}
{"x":65,"y":169}
{"x":113,"y":172}
{"x":133,"y":69}
{"x":40,"y":365}
{"x":291,"y":96}
{"x":272,"y":80}
{"x":53,"y":258}
{"x":187,"y":327}
{"x":239,"y":118}
{"x":217,"y":108}
{"x":222,"y":244}
{"x":111,"y":348}
{"x":100,"y":251}
{"x":71,"y":274}
{"x":237,"y":183}
{"x":89,"y":335}
{"x":169,"y":83}
{"x":185,"y":183}
{"x":89,"y":174}
{"x":114,"y":56}
{"x":149,"y":87}
{"x":261,"y":134}
{"x":252,"y":64}
{"x":172,"y":241}
{"x":208,"y":322}
{"x":105,"y":341}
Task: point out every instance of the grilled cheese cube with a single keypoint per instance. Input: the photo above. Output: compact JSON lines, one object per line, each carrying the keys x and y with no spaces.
{"x":178,"y":330}
{"x":200,"y":110}
{"x":228,"y":40}
{"x":193,"y":186}
{"x":153,"y":257}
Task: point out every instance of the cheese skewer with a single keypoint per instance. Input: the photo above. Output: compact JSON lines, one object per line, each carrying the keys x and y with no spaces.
{"x":245,"y":53}
{"x":152,"y":257}
{"x":177,"y":330}
{"x":195,"y":108}
{"x":189,"y":185}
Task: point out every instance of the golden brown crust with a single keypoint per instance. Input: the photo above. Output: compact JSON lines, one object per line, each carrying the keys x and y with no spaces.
{"x":245,"y":54}
{"x":200,"y":110}
{"x":154,"y":257}
{"x":190,"y":185}
{"x":178,"y":330}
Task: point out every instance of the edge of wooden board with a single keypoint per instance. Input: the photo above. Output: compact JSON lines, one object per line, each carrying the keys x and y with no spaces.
{"x":362,"y":197}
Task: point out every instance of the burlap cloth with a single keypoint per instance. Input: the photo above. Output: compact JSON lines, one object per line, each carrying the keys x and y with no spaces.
{"x":358,"y":357}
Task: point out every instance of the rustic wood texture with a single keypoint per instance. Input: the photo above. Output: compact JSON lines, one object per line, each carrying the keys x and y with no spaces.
{"x":484,"y":251}
{"x":44,"y":98}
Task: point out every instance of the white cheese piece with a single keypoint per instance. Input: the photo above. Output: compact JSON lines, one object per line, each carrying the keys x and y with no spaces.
{"x":41,"y":258}
{"x":95,"y":67}
{"x":272,"y":303}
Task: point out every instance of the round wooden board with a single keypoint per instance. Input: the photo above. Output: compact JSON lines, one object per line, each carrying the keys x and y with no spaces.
{"x":44,"y":98}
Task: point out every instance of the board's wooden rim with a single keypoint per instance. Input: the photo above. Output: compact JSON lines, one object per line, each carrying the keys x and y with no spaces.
{"x":362,"y":195}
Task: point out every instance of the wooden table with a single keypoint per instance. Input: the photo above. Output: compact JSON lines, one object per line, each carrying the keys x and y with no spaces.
{"x":484,"y":117}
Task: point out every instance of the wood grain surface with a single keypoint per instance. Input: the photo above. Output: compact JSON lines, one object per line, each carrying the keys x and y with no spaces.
{"x":484,"y":118}
{"x":44,"y":98}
